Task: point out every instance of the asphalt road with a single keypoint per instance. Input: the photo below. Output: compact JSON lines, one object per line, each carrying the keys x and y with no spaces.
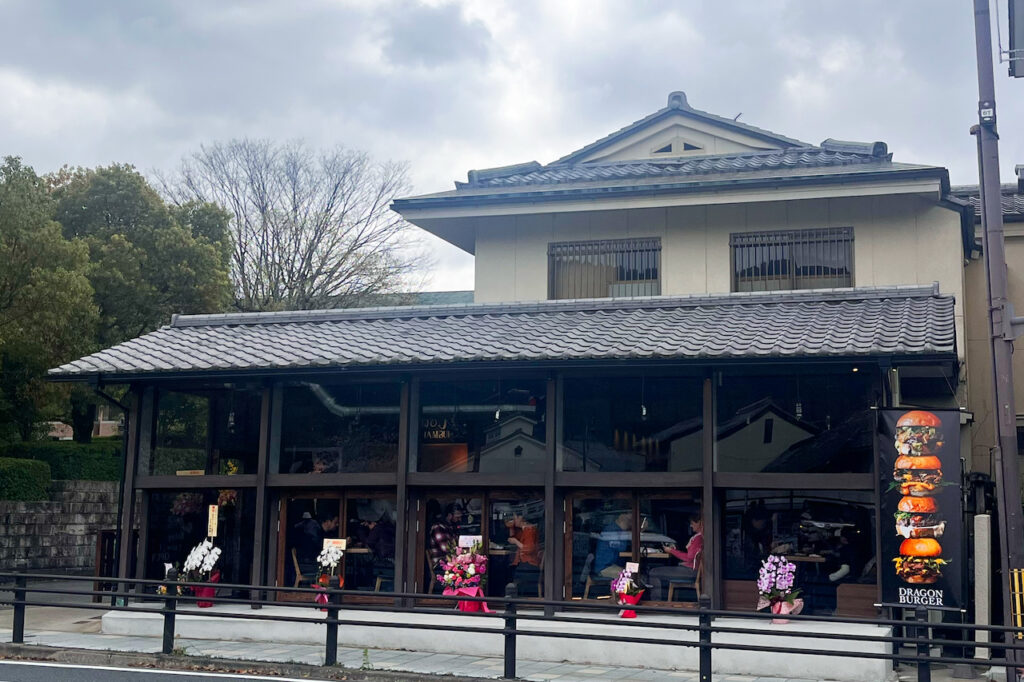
{"x":22,"y":671}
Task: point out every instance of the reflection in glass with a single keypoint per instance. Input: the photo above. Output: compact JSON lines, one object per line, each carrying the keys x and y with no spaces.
{"x":487,"y":426}
{"x":602,"y":543}
{"x":448,"y":518}
{"x":213,"y":431}
{"x":819,"y":530}
{"x":632,"y":424}
{"x":671,"y":547}
{"x":308,"y":521}
{"x":370,"y":558}
{"x":516,"y":544}
{"x":339,"y":428}
{"x":807,"y":423}
{"x":178,"y":522}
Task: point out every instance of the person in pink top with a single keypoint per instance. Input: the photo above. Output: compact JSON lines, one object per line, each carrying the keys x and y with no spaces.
{"x":687,"y":569}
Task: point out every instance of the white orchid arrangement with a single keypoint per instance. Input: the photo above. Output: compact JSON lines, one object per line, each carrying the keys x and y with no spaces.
{"x":202,"y":559}
{"x":329,"y":558}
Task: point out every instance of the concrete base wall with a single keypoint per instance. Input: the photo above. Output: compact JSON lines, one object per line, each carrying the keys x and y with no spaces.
{"x":58,"y":534}
{"x":357,"y":630}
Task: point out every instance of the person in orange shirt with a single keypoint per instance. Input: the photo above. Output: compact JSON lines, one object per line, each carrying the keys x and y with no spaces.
{"x":526,"y":538}
{"x":688,"y":558}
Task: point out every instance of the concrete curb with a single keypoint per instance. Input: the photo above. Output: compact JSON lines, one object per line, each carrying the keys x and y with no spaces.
{"x":87,"y":657}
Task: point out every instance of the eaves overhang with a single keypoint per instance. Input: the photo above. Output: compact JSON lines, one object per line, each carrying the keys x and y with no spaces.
{"x":437,"y":206}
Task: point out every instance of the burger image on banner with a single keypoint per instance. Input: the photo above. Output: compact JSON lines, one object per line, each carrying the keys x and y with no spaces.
{"x":920,"y":561}
{"x":917,"y":433}
{"x":917,"y":476}
{"x":918,"y":518}
{"x":925,"y":507}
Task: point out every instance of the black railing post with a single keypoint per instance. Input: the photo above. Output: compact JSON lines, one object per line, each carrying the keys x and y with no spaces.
{"x":511,"y":592}
{"x":18,"y":633}
{"x":333,"y":599}
{"x":704,"y":636}
{"x":924,"y":669}
{"x":170,"y":604}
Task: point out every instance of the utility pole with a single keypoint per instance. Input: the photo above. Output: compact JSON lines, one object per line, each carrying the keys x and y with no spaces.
{"x":1003,"y":326}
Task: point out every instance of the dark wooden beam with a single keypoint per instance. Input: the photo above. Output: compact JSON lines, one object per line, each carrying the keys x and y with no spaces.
{"x":402,"y":491}
{"x":781,"y":481}
{"x":256,"y":576}
{"x":551,"y":566}
{"x":195,"y":482}
{"x":139,"y":423}
{"x":630,"y":479}
{"x":711,"y":584}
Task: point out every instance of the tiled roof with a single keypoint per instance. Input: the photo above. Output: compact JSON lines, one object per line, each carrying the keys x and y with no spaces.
{"x":775,"y":159}
{"x":1012,"y":199}
{"x":820,"y":323}
{"x":678,"y":105}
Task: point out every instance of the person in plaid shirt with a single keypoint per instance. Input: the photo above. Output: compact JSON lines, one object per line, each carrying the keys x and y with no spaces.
{"x":444,"y":533}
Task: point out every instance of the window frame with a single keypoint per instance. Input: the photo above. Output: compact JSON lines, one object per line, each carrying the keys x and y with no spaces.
{"x":842,"y":236}
{"x":637,"y":248}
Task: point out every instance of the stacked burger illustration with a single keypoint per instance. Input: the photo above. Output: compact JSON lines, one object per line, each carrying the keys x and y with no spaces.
{"x":917,"y":476}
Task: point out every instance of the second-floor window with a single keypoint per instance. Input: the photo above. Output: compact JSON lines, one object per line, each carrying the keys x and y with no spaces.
{"x":604,"y":268}
{"x":792,"y":259}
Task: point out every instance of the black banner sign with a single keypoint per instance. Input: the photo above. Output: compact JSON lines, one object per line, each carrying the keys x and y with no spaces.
{"x":922,"y":537}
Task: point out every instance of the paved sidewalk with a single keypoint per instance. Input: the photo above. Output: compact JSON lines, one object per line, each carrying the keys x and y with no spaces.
{"x":375,"y":659}
{"x":383,"y":659}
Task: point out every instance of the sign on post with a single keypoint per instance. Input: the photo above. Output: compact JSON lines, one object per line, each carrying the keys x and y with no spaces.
{"x":212,"y":515}
{"x":922,"y":538}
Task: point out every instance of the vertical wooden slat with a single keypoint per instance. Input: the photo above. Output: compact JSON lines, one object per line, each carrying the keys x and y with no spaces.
{"x":139,"y":423}
{"x":256,"y":576}
{"x":553,"y":537}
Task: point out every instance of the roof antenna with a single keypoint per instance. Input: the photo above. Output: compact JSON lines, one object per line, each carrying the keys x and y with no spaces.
{"x":737,"y":117}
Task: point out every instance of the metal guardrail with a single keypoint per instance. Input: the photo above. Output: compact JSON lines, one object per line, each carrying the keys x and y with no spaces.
{"x":910,"y":642}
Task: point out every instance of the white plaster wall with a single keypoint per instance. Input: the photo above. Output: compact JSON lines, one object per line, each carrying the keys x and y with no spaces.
{"x":898,"y":239}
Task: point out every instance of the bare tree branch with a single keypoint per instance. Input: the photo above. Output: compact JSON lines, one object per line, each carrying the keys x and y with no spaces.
{"x":311,"y":229}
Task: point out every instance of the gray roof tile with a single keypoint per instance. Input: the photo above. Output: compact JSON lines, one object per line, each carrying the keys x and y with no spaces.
{"x":1012,"y":199}
{"x":820,"y":323}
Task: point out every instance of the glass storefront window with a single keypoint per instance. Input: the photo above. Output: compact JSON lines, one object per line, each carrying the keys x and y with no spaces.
{"x":370,"y":558}
{"x":448,"y":517}
{"x":632,"y":424}
{"x":178,"y":522}
{"x":345,"y":428}
{"x":213,"y":431}
{"x":671,"y":547}
{"x":818,"y":530}
{"x":516,"y":544}
{"x":307,"y":522}
{"x":602,"y":542}
{"x":800,"y":423}
{"x":494,"y":426}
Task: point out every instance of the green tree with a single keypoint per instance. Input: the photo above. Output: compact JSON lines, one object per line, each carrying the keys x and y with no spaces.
{"x":148,"y":260}
{"x":47,"y":315}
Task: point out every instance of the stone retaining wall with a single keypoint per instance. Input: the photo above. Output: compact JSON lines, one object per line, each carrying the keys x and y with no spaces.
{"x":59,"y":534}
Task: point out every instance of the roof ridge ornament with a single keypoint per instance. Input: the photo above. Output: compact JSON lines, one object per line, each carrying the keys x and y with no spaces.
{"x":677,"y":100}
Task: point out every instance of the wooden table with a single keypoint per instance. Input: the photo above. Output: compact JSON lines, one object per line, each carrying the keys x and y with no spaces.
{"x":805,"y":559}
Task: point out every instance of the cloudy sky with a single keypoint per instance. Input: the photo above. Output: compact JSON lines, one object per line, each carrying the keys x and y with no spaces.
{"x":448,"y":86}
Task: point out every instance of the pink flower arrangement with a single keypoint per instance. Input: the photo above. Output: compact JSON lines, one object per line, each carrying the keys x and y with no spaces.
{"x":465,"y":568}
{"x":775,"y":581}
{"x":625,"y":584}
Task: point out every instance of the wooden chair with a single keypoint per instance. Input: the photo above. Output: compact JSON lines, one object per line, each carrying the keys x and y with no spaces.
{"x":430,"y":572}
{"x":589,"y":579}
{"x":696,"y":583}
{"x":299,"y":577}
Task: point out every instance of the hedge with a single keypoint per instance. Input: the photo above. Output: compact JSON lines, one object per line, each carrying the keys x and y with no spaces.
{"x":23,"y":479}
{"x":73,"y":461}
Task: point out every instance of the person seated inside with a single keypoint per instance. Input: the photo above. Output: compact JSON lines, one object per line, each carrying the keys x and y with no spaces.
{"x":660,"y":576}
{"x":525,"y":536}
{"x":615,"y":538}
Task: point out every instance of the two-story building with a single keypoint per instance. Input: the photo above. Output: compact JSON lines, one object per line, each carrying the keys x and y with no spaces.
{"x":690,"y":317}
